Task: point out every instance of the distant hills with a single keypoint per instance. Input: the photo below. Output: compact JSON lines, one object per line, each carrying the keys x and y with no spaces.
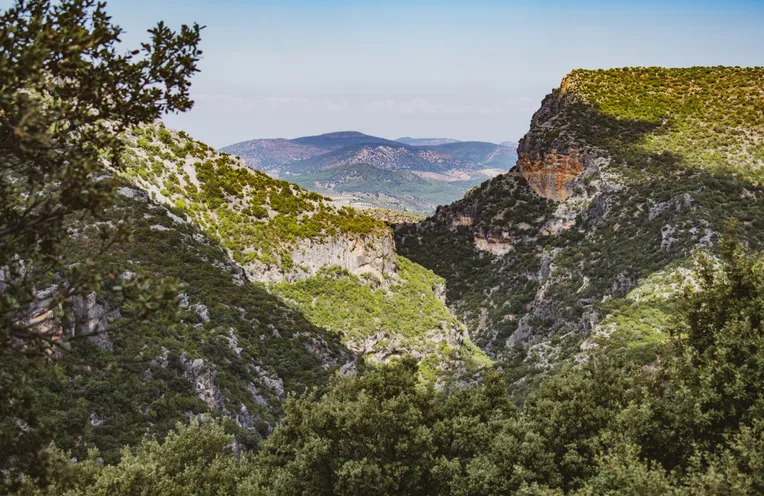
{"x":441,"y":169}
{"x":364,"y":185}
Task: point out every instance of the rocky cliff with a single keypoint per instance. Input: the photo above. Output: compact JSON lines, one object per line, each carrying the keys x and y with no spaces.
{"x":359,"y":255}
{"x":547,"y":158}
{"x":622,"y":175}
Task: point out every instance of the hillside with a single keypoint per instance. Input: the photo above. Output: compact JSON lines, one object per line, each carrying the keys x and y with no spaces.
{"x":623,"y":174}
{"x":233,"y":350}
{"x":451,"y":167}
{"x":281,"y":290}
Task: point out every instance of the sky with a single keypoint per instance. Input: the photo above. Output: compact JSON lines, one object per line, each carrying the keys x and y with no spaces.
{"x":469,"y":70}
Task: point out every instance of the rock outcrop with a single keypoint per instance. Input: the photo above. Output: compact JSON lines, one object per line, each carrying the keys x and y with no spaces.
{"x":547,"y":159}
{"x":551,"y":175}
{"x":88,"y":317}
{"x":359,"y":255}
{"x":92,"y":319}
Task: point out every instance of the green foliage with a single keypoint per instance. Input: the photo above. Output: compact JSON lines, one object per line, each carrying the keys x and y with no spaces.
{"x":714,"y":378}
{"x":601,"y":427}
{"x":710,"y":116}
{"x":194,"y":459}
{"x":382,"y":433}
{"x":343,"y":303}
{"x":403,"y":311}
{"x":254,"y":217}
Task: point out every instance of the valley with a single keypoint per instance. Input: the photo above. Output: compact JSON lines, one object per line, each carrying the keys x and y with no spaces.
{"x":580,"y":313}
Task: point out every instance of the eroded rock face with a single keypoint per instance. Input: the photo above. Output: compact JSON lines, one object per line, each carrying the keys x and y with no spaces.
{"x":374,"y":255}
{"x":498,"y":243}
{"x":551,"y":175}
{"x":551,"y":166}
{"x":202,"y":376}
{"x":92,"y":319}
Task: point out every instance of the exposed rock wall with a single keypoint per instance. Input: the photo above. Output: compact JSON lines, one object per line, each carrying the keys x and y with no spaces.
{"x":92,"y":319}
{"x":548,"y":161}
{"x":498,"y":243}
{"x":552,"y":175}
{"x":373,"y":255}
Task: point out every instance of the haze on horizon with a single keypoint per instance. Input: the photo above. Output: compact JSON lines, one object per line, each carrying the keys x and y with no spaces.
{"x":456,"y":69}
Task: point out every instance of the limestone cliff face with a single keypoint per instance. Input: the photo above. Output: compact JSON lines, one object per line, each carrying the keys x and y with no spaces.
{"x":552,"y":175}
{"x":359,"y":255}
{"x":89,"y":318}
{"x":547,"y":159}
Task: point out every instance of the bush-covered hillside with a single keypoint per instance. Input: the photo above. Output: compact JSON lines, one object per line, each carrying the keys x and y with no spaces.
{"x":402,"y":316}
{"x":232,"y":349}
{"x":667,"y":157}
{"x":689,"y":425}
{"x":254,"y":217}
{"x":708,"y":116}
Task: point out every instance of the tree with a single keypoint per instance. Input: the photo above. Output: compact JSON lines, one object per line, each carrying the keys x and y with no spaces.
{"x":387,"y":432}
{"x":368,"y":435}
{"x":710,"y":384}
{"x":66,"y":94}
{"x":193,"y":459}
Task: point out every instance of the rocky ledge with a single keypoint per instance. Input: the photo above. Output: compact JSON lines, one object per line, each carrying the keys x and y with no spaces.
{"x":359,"y":255}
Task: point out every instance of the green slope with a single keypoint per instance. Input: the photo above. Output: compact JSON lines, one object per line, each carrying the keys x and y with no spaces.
{"x":113,"y":392}
{"x":668,"y":156}
{"x":253,"y":216}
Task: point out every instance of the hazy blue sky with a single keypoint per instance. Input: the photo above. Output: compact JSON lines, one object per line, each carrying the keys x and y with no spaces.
{"x":460,"y":69}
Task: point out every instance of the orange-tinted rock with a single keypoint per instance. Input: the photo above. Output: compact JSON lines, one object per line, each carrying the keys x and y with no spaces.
{"x":551,"y":165}
{"x":551,"y":175}
{"x":461,"y":220}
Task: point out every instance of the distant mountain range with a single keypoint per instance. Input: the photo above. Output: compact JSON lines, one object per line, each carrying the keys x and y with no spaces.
{"x":444,"y":168}
{"x":364,"y":185}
